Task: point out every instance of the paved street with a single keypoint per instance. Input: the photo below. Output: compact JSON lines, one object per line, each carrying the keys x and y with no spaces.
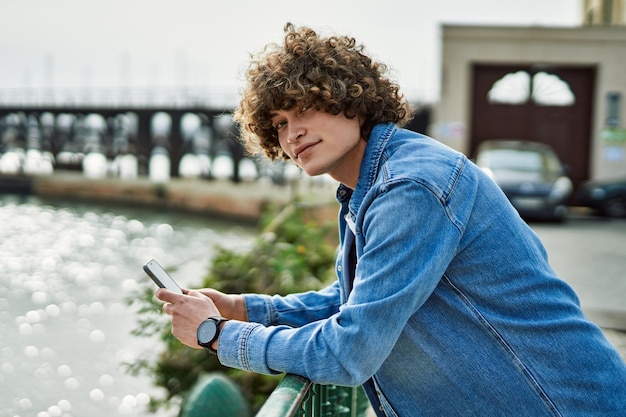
{"x":590,"y":254}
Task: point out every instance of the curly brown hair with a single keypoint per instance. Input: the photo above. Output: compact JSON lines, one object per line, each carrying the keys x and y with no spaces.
{"x":330,"y":74}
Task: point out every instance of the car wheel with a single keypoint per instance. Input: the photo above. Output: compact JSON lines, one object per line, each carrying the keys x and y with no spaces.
{"x":615,"y":207}
{"x":559,"y":214}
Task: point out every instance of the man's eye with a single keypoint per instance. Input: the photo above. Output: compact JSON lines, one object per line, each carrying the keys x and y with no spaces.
{"x":279,"y":125}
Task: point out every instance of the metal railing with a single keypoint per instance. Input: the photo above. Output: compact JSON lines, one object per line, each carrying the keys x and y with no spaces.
{"x":298,"y":397}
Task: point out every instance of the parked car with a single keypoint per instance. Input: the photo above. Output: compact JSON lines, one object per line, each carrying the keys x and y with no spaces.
{"x":606,"y":198}
{"x":530,"y":174}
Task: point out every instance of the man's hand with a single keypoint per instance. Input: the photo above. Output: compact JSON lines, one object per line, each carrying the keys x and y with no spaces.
{"x":188,"y":311}
{"x":232,"y":306}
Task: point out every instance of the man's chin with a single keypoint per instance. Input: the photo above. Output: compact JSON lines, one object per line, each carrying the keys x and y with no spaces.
{"x":311,"y":172}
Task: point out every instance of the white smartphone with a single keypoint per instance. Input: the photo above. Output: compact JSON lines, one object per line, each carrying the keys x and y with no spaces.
{"x":160,"y":276}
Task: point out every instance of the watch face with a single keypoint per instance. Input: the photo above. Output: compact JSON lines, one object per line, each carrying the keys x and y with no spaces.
{"x":207,"y":331}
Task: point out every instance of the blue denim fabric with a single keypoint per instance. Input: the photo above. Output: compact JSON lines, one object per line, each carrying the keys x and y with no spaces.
{"x":445,"y":304}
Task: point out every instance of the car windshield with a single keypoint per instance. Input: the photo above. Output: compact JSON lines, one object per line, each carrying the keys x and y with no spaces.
{"x":519,"y":160}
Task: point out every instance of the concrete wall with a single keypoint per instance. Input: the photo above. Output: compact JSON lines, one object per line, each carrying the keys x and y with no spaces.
{"x":601,"y":47}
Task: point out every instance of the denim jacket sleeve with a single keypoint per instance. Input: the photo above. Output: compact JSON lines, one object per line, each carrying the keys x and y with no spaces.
{"x":398,"y":267}
{"x":293,"y":310}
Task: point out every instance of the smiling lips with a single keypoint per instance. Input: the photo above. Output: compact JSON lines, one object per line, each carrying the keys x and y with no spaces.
{"x":301,"y":148}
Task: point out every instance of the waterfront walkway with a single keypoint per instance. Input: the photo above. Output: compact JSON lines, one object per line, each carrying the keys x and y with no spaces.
{"x":242,"y":201}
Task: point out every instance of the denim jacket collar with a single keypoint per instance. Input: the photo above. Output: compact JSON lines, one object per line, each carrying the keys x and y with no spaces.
{"x":380,"y":136}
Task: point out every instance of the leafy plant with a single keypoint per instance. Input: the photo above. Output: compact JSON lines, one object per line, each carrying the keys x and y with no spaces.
{"x":294,"y":252}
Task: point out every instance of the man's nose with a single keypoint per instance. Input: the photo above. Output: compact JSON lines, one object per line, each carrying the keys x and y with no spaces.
{"x":295,"y":133}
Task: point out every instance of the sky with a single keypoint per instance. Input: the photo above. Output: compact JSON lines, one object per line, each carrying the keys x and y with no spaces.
{"x":114,"y":44}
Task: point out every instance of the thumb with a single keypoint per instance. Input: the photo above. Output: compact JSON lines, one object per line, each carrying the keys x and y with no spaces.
{"x":196,"y":293}
{"x":199,"y":295}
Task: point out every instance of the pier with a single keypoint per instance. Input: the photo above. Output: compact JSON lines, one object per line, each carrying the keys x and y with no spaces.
{"x":186,"y":130}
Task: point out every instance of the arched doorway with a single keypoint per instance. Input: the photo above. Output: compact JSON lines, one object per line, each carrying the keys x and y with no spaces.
{"x":548,"y":104}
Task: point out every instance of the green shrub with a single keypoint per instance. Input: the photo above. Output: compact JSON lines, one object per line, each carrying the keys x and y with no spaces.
{"x":294,"y":252}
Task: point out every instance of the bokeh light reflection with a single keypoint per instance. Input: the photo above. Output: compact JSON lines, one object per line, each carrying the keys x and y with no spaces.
{"x":65,"y":275}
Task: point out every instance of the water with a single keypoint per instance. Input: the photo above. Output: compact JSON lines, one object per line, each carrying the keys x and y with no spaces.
{"x":65,"y":273}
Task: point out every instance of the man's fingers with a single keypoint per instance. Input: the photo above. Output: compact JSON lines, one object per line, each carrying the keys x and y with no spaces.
{"x":167,"y":309}
{"x":195,"y":293}
{"x":167,"y":295}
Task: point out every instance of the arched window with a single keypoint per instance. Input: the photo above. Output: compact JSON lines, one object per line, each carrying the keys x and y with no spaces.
{"x":543,"y":88}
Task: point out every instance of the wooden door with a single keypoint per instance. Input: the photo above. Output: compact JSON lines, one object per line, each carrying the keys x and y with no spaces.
{"x":548,"y":104}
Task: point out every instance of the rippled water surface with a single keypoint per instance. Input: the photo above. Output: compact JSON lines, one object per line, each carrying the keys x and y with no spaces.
{"x":65,"y":273}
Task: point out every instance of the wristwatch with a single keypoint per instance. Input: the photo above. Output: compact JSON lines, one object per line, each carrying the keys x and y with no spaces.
{"x":209,"y":331}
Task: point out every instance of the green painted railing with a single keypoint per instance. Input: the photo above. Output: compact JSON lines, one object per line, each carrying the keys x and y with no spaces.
{"x":298,"y":397}
{"x":214,"y":395}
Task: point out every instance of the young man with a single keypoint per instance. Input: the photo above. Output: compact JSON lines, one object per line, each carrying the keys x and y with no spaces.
{"x":445,"y":304}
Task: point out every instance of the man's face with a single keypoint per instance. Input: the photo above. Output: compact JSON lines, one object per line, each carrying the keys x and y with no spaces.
{"x":321,"y":143}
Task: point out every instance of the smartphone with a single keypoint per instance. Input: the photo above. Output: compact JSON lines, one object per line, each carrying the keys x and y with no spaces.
{"x":160,"y":276}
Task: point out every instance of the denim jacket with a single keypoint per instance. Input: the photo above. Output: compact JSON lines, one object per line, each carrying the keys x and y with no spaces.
{"x":445,"y":304}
